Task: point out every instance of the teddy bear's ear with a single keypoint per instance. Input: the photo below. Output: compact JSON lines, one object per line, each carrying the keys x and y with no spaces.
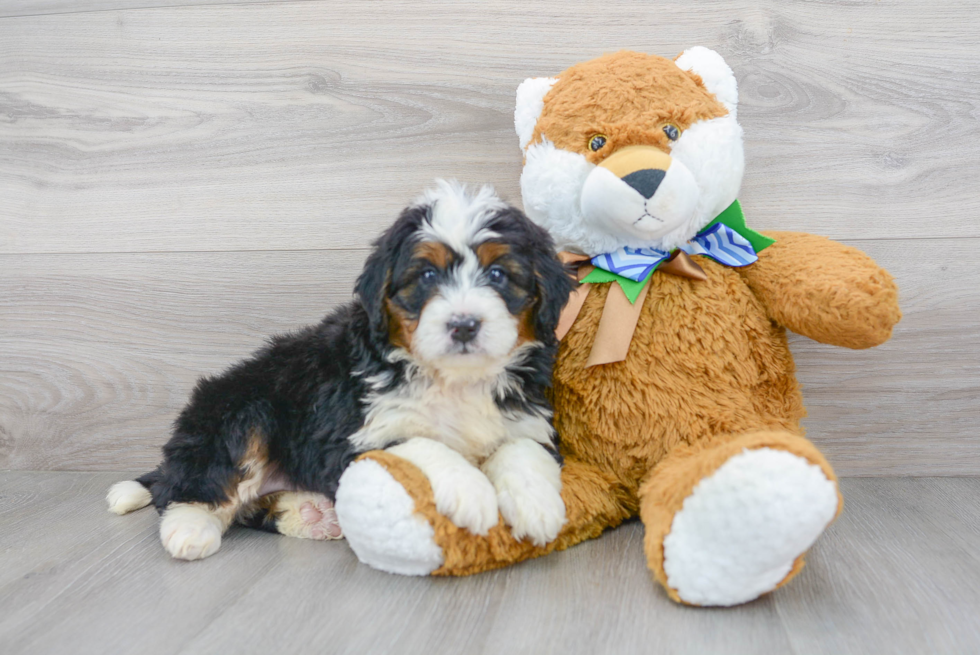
{"x":718,"y":78}
{"x":530,"y":102}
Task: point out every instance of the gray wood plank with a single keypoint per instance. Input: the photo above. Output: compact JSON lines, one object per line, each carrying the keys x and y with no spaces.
{"x":99,"y":352}
{"x":898,"y":573}
{"x":900,"y":567}
{"x":74,"y":579}
{"x":308,"y":125}
{"x":23,"y":8}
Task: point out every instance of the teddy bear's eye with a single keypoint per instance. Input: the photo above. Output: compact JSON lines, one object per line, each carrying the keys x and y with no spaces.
{"x":671,"y":131}
{"x":596,"y":142}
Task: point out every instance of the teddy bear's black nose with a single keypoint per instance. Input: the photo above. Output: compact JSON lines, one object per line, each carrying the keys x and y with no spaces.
{"x":645,"y":181}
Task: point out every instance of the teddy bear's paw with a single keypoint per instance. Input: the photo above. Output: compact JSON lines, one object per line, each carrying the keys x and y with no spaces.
{"x":189,"y":531}
{"x":307,"y":516}
{"x":740,"y":531}
{"x":378,"y":519}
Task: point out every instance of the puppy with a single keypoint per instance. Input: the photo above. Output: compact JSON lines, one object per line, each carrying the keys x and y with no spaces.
{"x":443,"y":358}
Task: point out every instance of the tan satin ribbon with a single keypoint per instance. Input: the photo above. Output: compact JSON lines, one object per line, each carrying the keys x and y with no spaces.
{"x":619,"y":315}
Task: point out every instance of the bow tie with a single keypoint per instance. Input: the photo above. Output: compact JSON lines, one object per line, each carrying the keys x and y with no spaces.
{"x":720,"y":242}
{"x":727,"y":240}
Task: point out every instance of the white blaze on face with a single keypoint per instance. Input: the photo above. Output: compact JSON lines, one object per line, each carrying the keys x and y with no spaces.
{"x":465,"y":295}
{"x":458,"y":220}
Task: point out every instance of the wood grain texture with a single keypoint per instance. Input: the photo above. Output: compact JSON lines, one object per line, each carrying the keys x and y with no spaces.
{"x":99,"y":352}
{"x":309,"y":124}
{"x":897,"y":573}
{"x":25,"y":8}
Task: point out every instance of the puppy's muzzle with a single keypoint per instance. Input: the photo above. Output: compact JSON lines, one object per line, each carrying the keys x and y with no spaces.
{"x":464,"y":329}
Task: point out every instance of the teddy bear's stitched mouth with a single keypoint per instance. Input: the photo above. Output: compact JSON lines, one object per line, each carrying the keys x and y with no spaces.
{"x":648,"y":215}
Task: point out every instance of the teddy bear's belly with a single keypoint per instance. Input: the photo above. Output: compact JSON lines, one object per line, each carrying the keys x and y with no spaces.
{"x":705,"y":360}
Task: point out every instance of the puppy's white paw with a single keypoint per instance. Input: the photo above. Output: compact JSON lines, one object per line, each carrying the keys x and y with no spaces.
{"x":465,"y":496}
{"x":528,"y":483}
{"x":307,"y":516}
{"x":190,"y":532}
{"x":462,"y":492}
{"x":127,"y":496}
{"x":532,"y":507}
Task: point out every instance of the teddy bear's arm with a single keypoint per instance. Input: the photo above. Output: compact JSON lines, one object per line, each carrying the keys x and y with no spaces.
{"x":825,"y":290}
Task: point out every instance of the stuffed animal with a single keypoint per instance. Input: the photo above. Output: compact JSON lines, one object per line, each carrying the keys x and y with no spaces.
{"x":674,"y":389}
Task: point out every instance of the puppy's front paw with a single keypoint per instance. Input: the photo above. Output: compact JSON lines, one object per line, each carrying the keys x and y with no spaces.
{"x":465,"y":496}
{"x":190,"y":532}
{"x":532,"y":507}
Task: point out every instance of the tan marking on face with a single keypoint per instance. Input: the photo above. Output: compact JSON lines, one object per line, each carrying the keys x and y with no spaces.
{"x":490,"y":251}
{"x":525,"y":326}
{"x":401,"y":326}
{"x":628,"y":97}
{"x":436,"y":253}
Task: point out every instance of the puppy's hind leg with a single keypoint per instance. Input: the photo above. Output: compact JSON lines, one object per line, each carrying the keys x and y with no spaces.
{"x":192,"y":530}
{"x":300,"y":514}
{"x":130,"y":495}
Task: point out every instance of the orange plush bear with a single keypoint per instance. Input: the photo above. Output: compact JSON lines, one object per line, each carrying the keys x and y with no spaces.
{"x":674,"y":389}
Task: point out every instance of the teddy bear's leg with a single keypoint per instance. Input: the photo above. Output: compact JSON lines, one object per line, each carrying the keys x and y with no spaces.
{"x":729,"y":520}
{"x":388,"y":515}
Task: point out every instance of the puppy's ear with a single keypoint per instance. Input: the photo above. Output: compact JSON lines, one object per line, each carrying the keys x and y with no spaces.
{"x":374,"y":283}
{"x":372,"y":287}
{"x":554,"y":284}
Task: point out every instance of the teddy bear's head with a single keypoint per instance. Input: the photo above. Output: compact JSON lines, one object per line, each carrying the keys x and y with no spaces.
{"x":630,"y":149}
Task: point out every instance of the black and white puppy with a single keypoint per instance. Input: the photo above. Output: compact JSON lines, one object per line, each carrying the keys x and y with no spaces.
{"x":443,"y":358}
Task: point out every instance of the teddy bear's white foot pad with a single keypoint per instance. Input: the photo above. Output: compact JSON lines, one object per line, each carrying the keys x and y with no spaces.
{"x":379,"y":521}
{"x":739,"y":532}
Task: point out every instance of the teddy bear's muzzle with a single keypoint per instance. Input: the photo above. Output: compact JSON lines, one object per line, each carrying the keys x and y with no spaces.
{"x":640,"y":193}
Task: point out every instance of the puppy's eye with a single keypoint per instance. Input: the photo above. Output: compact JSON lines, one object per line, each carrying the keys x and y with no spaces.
{"x":596,"y":142}
{"x":672,"y":132}
{"x":497,"y":275}
{"x":428,"y":275}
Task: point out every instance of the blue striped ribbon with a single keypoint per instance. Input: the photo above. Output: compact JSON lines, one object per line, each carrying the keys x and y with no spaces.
{"x":720,"y":242}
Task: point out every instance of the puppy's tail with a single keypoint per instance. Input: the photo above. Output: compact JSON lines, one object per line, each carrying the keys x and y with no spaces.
{"x":130,"y":495}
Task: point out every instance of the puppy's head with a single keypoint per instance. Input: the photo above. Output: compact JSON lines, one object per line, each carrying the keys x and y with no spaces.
{"x":462,"y":281}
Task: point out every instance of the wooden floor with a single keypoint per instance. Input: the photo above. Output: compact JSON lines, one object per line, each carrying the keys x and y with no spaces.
{"x":898,"y":573}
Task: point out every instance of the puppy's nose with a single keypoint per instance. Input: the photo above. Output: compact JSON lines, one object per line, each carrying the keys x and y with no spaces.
{"x":645,"y":181}
{"x":464,"y":329}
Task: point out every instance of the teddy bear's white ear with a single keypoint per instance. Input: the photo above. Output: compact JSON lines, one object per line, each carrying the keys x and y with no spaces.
{"x":718,"y":78}
{"x":530,"y":102}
